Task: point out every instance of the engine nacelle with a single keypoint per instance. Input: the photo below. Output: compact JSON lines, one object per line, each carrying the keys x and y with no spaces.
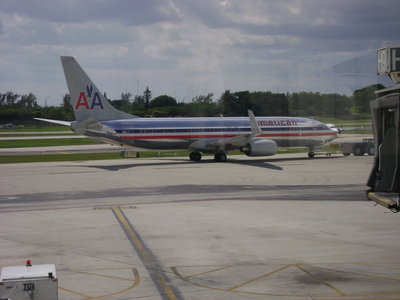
{"x":260,"y":147}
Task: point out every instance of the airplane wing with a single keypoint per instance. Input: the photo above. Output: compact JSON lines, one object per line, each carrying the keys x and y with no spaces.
{"x":65,"y":123}
{"x":241,"y":140}
{"x":230,"y":143}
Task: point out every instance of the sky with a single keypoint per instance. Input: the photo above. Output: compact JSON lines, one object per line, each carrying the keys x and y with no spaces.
{"x":187,"y":48}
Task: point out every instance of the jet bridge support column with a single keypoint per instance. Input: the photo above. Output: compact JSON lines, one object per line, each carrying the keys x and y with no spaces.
{"x":384,"y":179}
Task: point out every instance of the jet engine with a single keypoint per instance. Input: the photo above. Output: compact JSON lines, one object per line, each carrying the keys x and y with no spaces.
{"x":260,"y":147}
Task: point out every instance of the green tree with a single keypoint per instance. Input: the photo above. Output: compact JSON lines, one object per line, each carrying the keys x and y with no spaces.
{"x":52,"y":112}
{"x":159,"y":113}
{"x":147,"y":97}
{"x":138,"y":99}
{"x":225,"y":102}
{"x":163,"y":101}
{"x":363,"y":96}
{"x":67,"y":108}
{"x":235,"y":104}
{"x":207,"y":99}
{"x":268,"y":104}
{"x":66,"y":103}
{"x":121,"y":104}
{"x":29,"y":101}
{"x":201,"y":106}
{"x":9,"y":98}
{"x":126,"y":96}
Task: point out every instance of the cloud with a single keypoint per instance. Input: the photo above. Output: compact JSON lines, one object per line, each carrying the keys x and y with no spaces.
{"x":208,"y":45}
{"x":131,"y":13}
{"x":312,"y":19}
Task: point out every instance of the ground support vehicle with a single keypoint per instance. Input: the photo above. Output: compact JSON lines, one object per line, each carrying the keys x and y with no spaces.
{"x":358,"y":148}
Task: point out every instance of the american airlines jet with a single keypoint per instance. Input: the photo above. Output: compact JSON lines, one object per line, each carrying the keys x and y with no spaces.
{"x":261,"y":136}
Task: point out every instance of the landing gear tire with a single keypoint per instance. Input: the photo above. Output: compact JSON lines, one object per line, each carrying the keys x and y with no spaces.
{"x":220,"y":157}
{"x":195,"y":156}
{"x":371,"y":150}
{"x":311,"y":154}
{"x":358,"y":151}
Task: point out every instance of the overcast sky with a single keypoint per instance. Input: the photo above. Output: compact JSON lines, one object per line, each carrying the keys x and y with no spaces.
{"x":185,"y":48}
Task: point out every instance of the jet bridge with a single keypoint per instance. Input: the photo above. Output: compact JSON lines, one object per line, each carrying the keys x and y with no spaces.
{"x":384,"y":179}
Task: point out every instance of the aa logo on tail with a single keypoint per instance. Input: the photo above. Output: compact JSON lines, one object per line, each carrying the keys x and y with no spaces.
{"x":94,"y":99}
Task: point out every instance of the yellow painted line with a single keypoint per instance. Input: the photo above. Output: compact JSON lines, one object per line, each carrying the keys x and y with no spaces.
{"x":258,"y":278}
{"x":101,"y":275}
{"x":320,"y":280}
{"x":135,"y":283}
{"x":110,"y":207}
{"x":98,"y":269}
{"x":208,"y":272}
{"x":148,"y":259}
{"x":183,"y":278}
{"x":74,"y":292}
{"x":359,"y":274}
{"x":372,"y":296}
{"x":378,"y":265}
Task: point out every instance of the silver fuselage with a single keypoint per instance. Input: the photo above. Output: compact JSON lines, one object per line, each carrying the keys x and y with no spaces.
{"x":180,"y":133}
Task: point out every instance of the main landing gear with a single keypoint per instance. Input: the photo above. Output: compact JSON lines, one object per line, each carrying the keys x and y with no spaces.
{"x":311,"y":153}
{"x":195,"y":156}
{"x":218,"y":157}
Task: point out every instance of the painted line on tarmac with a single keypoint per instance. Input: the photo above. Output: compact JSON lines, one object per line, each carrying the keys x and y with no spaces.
{"x":166,"y":289}
{"x":342,"y":294}
{"x":135,"y":281}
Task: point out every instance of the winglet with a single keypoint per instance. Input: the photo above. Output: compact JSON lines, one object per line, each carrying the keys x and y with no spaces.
{"x":255,"y":128}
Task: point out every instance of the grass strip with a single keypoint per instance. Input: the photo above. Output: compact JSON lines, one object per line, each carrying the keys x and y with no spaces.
{"x":36,"y":134}
{"x":46,"y":142}
{"x":11,"y":159}
{"x":57,"y":157}
{"x":358,"y":131}
{"x":35,"y":128}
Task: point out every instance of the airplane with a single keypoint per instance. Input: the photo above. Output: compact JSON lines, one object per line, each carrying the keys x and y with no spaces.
{"x":261,"y":136}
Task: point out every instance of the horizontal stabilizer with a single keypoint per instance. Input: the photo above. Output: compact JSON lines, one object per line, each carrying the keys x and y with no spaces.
{"x":65,"y":123}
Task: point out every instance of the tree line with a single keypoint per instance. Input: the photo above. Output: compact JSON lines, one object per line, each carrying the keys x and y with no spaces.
{"x":22,"y":109}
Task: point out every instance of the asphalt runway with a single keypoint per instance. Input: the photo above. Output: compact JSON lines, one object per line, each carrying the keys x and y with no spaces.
{"x":282,"y":227}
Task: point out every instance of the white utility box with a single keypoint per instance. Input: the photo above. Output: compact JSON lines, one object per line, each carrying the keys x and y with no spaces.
{"x":29,"y":282}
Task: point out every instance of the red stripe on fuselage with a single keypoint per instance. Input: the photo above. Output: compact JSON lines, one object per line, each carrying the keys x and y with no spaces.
{"x":197,"y":136}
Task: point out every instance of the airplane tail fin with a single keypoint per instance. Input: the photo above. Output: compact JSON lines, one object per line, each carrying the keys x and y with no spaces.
{"x":87,"y":101}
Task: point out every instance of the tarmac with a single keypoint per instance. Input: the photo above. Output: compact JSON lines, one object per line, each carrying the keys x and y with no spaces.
{"x":281,"y":227}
